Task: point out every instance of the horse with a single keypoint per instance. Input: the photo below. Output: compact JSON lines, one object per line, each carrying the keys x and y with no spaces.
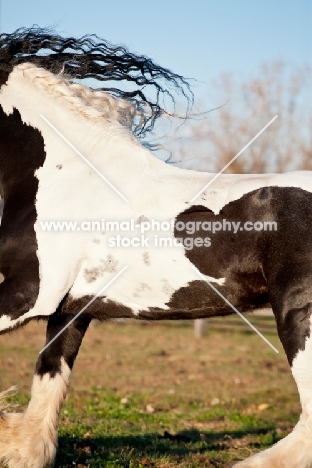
{"x":74,"y":158}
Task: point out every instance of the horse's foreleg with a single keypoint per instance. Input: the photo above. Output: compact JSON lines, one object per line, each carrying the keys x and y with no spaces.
{"x":29,"y":439}
{"x":295,"y":332}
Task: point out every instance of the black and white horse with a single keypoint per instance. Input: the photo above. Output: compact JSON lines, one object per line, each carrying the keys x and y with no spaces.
{"x":45,"y":120}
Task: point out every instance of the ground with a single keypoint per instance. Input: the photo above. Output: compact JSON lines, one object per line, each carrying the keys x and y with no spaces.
{"x":153,"y":396}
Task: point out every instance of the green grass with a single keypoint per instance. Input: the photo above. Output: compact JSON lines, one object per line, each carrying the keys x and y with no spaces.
{"x":154,"y":396}
{"x":117,"y":435}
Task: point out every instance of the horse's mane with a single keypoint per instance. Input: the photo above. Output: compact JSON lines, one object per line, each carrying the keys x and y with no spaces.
{"x":91,"y":104}
{"x":94,"y":58}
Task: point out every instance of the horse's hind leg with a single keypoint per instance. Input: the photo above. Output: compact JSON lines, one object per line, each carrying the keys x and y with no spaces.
{"x":292,"y":305}
{"x":29,"y":439}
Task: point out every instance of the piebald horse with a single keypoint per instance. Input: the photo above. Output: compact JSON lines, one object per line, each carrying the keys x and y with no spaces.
{"x":51,"y":130}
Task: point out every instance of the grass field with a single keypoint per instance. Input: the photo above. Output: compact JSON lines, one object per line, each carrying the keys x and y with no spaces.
{"x":151,"y":395}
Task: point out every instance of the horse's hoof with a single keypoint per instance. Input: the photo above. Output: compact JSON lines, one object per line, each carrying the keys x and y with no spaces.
{"x":294,"y":451}
{"x":22,"y":445}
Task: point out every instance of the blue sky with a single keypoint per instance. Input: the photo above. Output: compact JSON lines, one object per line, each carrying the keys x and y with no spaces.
{"x":199,"y":38}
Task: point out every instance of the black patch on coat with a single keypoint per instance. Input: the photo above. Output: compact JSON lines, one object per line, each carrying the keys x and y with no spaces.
{"x":288,"y":268}
{"x":264,"y":193}
{"x":65,"y":346}
{"x":21,"y":153}
{"x":4,"y":75}
{"x":258,"y":265}
{"x":100,"y":309}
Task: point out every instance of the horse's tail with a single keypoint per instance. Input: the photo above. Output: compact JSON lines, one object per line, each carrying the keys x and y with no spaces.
{"x":94,"y":58}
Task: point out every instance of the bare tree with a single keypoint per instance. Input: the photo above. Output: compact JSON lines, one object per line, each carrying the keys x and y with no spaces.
{"x":243,"y":109}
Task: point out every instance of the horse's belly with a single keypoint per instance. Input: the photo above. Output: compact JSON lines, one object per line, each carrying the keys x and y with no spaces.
{"x":161,"y":282}
{"x":151,"y":278}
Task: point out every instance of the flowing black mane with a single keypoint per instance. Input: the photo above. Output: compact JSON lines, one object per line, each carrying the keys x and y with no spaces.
{"x":95,"y":58}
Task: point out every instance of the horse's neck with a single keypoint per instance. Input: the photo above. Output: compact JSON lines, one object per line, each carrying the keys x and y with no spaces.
{"x":29,"y":142}
{"x":23,"y":104}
